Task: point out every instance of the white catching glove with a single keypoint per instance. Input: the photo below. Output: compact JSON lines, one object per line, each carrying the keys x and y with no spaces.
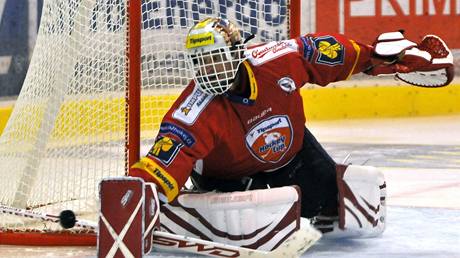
{"x":427,"y":64}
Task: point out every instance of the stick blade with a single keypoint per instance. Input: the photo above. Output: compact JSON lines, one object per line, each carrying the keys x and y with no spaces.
{"x":296,"y":244}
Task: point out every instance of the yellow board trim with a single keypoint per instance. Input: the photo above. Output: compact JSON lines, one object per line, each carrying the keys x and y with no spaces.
{"x":166,"y":181}
{"x":379,"y":102}
{"x":5,"y":113}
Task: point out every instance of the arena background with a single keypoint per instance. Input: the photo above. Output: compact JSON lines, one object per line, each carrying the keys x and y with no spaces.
{"x":360,"y":97}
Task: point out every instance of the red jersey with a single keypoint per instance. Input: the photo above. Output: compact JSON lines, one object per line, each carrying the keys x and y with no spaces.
{"x":231,"y":136}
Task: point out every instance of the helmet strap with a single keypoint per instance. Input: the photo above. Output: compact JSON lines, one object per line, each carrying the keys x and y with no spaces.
{"x":252,"y":36}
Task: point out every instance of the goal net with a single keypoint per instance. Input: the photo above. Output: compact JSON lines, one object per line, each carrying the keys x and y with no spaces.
{"x":70,"y":124}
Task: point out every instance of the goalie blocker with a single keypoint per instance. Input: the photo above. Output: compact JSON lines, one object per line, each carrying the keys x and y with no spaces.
{"x":129,"y":211}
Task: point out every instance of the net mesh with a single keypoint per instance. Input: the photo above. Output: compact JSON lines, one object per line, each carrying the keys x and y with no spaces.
{"x":67,"y":129}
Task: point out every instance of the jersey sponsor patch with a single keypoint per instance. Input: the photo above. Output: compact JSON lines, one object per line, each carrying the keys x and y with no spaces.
{"x":330,"y":51}
{"x":307,"y":48}
{"x":186,"y":137}
{"x":270,"y":139}
{"x":191,"y":108}
{"x":270,"y":51}
{"x":165,"y":149}
{"x":164,"y":179}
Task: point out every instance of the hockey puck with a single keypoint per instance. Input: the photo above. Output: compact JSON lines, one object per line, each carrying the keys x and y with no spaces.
{"x":67,"y":219}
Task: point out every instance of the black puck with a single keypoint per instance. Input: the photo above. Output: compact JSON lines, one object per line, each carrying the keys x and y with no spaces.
{"x":67,"y":219}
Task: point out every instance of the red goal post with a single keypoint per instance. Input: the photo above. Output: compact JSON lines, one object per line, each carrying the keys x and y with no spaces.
{"x":102,"y":76}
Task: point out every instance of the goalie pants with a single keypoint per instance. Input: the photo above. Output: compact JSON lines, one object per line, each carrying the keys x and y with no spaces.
{"x":312,"y":169}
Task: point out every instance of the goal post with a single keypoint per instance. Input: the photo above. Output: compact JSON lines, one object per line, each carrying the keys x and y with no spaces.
{"x":133,"y":130}
{"x":103,"y":74}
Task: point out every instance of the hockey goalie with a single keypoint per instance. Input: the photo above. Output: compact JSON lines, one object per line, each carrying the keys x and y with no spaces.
{"x":238,"y":132}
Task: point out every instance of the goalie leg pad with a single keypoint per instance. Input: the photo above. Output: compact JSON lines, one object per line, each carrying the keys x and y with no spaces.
{"x":362,"y":193}
{"x":257,"y":219}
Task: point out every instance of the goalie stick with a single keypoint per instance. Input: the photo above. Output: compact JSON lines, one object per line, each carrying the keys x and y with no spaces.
{"x":44,"y":217}
{"x":293,"y":246}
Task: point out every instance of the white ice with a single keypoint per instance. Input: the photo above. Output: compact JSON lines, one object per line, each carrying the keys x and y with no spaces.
{"x":423,"y":189}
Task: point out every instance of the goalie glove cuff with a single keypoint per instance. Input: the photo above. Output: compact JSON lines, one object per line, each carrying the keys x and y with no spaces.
{"x":388,"y":49}
{"x":391,"y":44}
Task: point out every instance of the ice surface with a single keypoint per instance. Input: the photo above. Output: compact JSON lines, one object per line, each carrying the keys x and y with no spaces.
{"x":411,"y":232}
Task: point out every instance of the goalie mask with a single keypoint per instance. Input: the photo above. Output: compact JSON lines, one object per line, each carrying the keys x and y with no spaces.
{"x":214,"y":53}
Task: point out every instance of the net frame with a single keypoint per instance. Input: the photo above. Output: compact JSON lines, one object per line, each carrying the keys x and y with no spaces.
{"x":132,"y":128}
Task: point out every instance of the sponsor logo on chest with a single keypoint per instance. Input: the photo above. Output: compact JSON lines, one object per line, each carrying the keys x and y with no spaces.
{"x":270,"y":139}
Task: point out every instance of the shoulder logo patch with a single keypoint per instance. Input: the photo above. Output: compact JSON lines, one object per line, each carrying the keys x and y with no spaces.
{"x":193,"y":105}
{"x":165,"y":149}
{"x":287,"y":84}
{"x":331,"y":52}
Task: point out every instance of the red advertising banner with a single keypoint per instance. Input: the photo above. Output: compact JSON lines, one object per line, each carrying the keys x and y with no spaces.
{"x":365,"y":19}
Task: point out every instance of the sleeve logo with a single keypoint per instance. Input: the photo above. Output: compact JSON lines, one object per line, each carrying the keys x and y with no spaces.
{"x":186,"y":137}
{"x":165,"y":149}
{"x":331,"y":52}
{"x":193,"y":105}
{"x":165,"y":180}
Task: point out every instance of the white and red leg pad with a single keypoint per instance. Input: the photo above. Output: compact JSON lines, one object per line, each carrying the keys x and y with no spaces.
{"x":257,"y":219}
{"x":128,"y":215}
{"x":362,"y":209}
